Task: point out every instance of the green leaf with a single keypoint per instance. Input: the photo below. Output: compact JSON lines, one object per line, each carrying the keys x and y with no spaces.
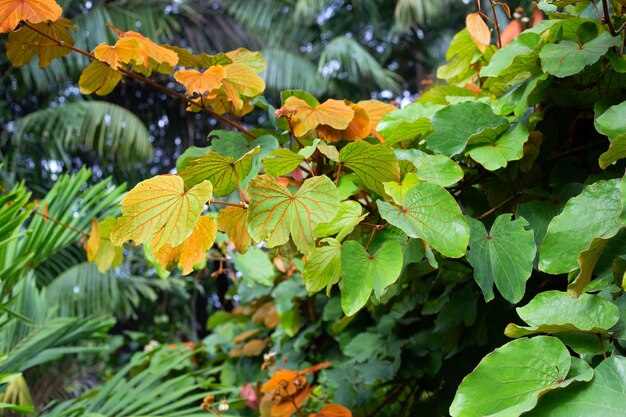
{"x":437,"y":169}
{"x":616,"y":151}
{"x":429,"y":212}
{"x":556,"y":311}
{"x":504,"y":256}
{"x":282,"y":161}
{"x":460,"y":55}
{"x":274,"y":213}
{"x":255,"y":266}
{"x":363,"y":273}
{"x":349,"y":214}
{"x":374,"y":164}
{"x":612,"y":122}
{"x":407,"y":123}
{"x":397,"y":190}
{"x":604,"y":396}
{"x":496,"y":154}
{"x":510,"y":380}
{"x":515,"y":100}
{"x":323,"y":266}
{"x":222,"y":171}
{"x":595,"y":213}
{"x":568,"y":58}
{"x":284,"y":294}
{"x":301,"y":94}
{"x":192,"y":153}
{"x":513,"y":58}
{"x":454,"y":126}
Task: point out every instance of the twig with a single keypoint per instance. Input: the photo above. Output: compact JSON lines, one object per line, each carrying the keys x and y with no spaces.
{"x":147,"y":81}
{"x":242,"y":205}
{"x":606,"y":19}
{"x":60,"y":223}
{"x":496,"y":24}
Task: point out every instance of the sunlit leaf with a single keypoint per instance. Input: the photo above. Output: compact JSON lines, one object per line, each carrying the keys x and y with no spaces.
{"x":333,"y":113}
{"x":100,"y":250}
{"x":201,"y":83}
{"x":275,"y":214}
{"x":437,"y":169}
{"x":478,"y":30}
{"x":358,"y":129}
{"x":374,"y":164}
{"x":376,"y":110}
{"x":241,"y":81}
{"x":24,"y":44}
{"x":282,"y":161}
{"x":323,"y":265}
{"x":193,"y":249}
{"x":349,"y":214}
{"x":332,"y":410}
{"x":222,"y":171}
{"x":161,"y":210}
{"x":253,"y":60}
{"x":98,"y":78}
{"x":34,"y":11}
{"x":430,"y":213}
{"x":234,"y":222}
{"x":397,"y":190}
{"x":125,"y":51}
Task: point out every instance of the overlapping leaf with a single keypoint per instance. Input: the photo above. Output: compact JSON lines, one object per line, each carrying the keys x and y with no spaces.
{"x":437,"y":169}
{"x":34,"y":11}
{"x":374,"y":164}
{"x":222,"y":171}
{"x":201,"y":83}
{"x":430,"y":213}
{"x":495,"y":152}
{"x":161,"y":211}
{"x":98,"y":78}
{"x":333,"y":113}
{"x":25,"y":43}
{"x":125,"y":51}
{"x":323,"y":265}
{"x":282,"y":161}
{"x":234,"y":222}
{"x":100,"y":250}
{"x":275,"y":214}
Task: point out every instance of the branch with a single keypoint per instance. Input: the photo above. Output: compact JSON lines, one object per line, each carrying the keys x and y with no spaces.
{"x":606,"y":19}
{"x":149,"y":82}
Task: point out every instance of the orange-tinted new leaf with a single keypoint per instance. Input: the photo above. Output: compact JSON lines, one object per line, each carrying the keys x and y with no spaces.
{"x":333,"y":410}
{"x":201,"y":83}
{"x":234,"y":222}
{"x":334,"y":113}
{"x":478,"y":30}
{"x":25,"y":43}
{"x":35,"y":11}
{"x":125,"y":51}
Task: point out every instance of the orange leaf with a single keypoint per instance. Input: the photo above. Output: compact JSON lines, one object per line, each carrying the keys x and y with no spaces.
{"x":35,"y":11}
{"x":240,"y":81}
{"x":286,"y":407}
{"x":252,"y":348}
{"x":125,"y":51}
{"x":478,"y":30}
{"x":193,"y":250}
{"x":537,"y":17}
{"x":376,"y":110}
{"x":511,"y":32}
{"x":98,"y":78}
{"x":25,"y":43}
{"x":333,"y":410}
{"x":245,"y":335}
{"x":267,"y":315}
{"x":234,"y":222}
{"x":358,"y":129}
{"x":151,"y":56}
{"x":283,"y":377}
{"x":161,"y":210}
{"x":201,"y":83}
{"x":334,"y":113}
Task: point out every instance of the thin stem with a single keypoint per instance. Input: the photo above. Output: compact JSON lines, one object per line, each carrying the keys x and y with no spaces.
{"x":60,"y":223}
{"x":496,"y":24}
{"x":147,"y":81}
{"x":607,"y":19}
{"x":238,"y":184}
{"x":602,"y":345}
{"x":374,"y":230}
{"x":338,"y":174}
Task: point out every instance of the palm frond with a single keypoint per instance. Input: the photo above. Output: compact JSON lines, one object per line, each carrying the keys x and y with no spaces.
{"x":412,"y":13}
{"x":150,"y":392}
{"x":111,"y":131}
{"x":83,"y":291}
{"x":343,"y":57}
{"x":286,"y":70}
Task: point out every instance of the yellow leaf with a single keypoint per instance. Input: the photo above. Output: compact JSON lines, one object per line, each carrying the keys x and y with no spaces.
{"x":25,"y":43}
{"x":201,"y":83}
{"x":125,"y":51}
{"x":193,"y":250}
{"x":376,"y":110}
{"x":159,"y":209}
{"x":478,"y":30}
{"x":35,"y":11}
{"x":334,"y":113}
{"x":100,"y":250}
{"x":98,"y":78}
{"x":234,"y":222}
{"x":253,"y":60}
{"x":151,"y":56}
{"x":358,"y":129}
{"x":240,"y":81}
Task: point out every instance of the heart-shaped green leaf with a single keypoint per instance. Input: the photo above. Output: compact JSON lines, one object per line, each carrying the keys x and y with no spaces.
{"x":504,"y":256}
{"x":429,"y":212}
{"x":496,"y":154}
{"x":282,"y":161}
{"x":363,"y":273}
{"x":374,"y":164}
{"x":323,"y":265}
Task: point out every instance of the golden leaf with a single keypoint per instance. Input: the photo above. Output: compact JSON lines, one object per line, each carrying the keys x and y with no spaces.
{"x":253,"y":60}
{"x":201,"y":83}
{"x":234,"y":222}
{"x":358,"y":129}
{"x":100,"y":250}
{"x":193,"y":249}
{"x":334,"y":113}
{"x":241,"y":80}
{"x":25,"y":43}
{"x":98,"y":78}
{"x":478,"y":30}
{"x":376,"y":110}
{"x":159,"y":209}
{"x":125,"y":51}
{"x":35,"y":11}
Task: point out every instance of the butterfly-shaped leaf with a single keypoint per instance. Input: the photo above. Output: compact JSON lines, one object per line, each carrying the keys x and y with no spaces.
{"x":25,"y":43}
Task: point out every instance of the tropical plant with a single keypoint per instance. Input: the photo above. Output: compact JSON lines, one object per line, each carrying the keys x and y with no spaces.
{"x":507,"y":155}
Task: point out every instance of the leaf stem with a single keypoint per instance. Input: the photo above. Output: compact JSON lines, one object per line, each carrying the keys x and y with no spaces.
{"x":496,"y":24}
{"x":147,"y":81}
{"x":60,"y":223}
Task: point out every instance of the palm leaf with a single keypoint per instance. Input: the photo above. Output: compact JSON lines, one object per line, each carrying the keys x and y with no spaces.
{"x":412,"y":13}
{"x":286,"y":70}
